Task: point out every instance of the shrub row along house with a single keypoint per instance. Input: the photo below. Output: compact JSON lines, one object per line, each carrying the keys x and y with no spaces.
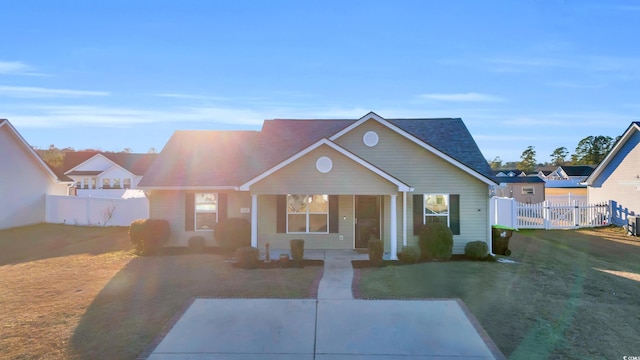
{"x":334,"y":183}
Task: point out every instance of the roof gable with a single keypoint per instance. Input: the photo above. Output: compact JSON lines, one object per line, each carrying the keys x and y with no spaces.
{"x":134,"y":163}
{"x":447,"y":138}
{"x":5,"y":124}
{"x":401,"y":186}
{"x":633,"y":128}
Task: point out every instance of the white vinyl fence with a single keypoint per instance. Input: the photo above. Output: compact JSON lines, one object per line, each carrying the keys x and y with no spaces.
{"x":76,"y":210}
{"x":549,"y":215}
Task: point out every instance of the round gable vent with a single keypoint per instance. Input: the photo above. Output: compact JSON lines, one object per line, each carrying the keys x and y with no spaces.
{"x":370,"y":138}
{"x":324,"y":164}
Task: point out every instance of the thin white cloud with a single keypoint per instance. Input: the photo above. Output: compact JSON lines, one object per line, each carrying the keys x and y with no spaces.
{"x":462,"y":97}
{"x":17,"y":68}
{"x":14,"y":67}
{"x":40,"y":92}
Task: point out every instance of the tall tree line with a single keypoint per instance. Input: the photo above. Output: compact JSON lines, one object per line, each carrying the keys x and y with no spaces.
{"x":589,"y":151}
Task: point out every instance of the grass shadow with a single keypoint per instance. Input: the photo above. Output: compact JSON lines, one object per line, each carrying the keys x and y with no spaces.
{"x":43,"y":241}
{"x":139,"y":300}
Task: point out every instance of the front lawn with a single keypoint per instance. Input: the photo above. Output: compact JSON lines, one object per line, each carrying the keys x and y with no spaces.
{"x":79,"y":292}
{"x":572,"y":295}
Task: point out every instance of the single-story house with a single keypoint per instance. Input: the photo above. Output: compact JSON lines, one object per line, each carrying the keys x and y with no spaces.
{"x":333,"y":183}
{"x":25,"y":179}
{"x":617,"y":177}
{"x":106,"y":174}
{"x":524,"y":189}
{"x":565,"y":179}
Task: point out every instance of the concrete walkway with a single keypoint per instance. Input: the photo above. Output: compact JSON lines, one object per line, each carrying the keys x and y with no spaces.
{"x":332,"y":327}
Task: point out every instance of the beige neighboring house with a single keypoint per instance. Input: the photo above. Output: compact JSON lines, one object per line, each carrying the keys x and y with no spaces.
{"x":617,"y":177}
{"x":25,"y":179}
{"x":333,"y":183}
{"x":523,"y":189}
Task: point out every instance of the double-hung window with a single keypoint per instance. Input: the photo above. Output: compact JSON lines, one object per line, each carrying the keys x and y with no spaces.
{"x":436,"y":208}
{"x":206,"y":211}
{"x":308,"y":214}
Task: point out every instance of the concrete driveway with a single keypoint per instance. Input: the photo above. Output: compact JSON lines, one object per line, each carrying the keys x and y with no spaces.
{"x":242,"y":329}
{"x":335,"y":326}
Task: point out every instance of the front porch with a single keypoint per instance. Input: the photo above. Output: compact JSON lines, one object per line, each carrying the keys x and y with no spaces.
{"x":329,"y":222}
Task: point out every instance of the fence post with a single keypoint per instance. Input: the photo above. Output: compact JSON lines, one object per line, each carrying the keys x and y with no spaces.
{"x":514,"y":214}
{"x":576,"y":213}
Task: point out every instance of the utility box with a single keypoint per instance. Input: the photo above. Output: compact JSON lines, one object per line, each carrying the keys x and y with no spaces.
{"x":632,"y":225}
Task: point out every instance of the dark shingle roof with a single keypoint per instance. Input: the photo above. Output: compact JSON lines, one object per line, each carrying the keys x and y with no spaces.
{"x":519,"y":179}
{"x":205,"y":158}
{"x":230,"y":158}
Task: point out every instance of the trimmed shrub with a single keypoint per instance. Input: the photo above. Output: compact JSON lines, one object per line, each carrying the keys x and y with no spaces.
{"x":409,"y":254}
{"x":476,"y":250}
{"x":376,"y":251}
{"x":436,"y":242}
{"x":297,"y":249}
{"x":148,"y":235}
{"x":247,"y":257}
{"x":196,"y":244}
{"x":233,"y":233}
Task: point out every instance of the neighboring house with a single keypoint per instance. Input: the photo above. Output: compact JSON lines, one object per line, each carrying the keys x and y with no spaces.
{"x":524,"y":189}
{"x":565,"y":179}
{"x":105,"y":174}
{"x":25,"y":179}
{"x":617,"y":177}
{"x":510,"y":173}
{"x":333,"y":183}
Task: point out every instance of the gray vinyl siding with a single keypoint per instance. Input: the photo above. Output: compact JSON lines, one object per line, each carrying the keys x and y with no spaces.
{"x":619,"y":181}
{"x":170,"y":206}
{"x":427,"y":173}
{"x":346,"y":177}
{"x":267,"y":232}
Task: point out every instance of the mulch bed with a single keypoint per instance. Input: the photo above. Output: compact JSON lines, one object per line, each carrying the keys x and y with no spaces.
{"x":361,"y":264}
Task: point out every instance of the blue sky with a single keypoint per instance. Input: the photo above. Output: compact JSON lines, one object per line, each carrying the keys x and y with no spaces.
{"x":117,"y":74}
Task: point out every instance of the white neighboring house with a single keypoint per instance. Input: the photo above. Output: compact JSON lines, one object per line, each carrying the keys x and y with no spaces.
{"x":617,"y":177}
{"x":25,"y":179}
{"x":103,"y":174}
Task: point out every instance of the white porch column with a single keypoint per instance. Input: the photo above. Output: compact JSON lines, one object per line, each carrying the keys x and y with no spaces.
{"x":394,"y":228}
{"x":254,"y":220}
{"x":404,"y":218}
{"x":82,"y":183}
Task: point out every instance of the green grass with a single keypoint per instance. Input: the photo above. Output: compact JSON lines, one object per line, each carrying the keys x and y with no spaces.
{"x":573,"y":295}
{"x":71,"y":292}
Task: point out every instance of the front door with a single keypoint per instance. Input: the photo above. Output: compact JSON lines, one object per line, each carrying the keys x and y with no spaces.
{"x":367,"y":219}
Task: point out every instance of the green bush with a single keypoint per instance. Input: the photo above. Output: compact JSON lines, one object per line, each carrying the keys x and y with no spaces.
{"x":297,"y":249}
{"x":233,"y":233}
{"x":476,"y":250}
{"x":409,"y":254}
{"x":197,"y":244}
{"x":376,"y":251}
{"x":247,"y":257}
{"x":148,"y":235}
{"x":436,"y":242}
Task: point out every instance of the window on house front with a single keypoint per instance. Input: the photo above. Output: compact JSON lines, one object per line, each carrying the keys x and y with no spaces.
{"x":528,"y":190}
{"x":206,"y":211}
{"x":116,"y":183}
{"x":106,"y":183}
{"x":436,"y":208}
{"x":126,"y":183}
{"x":308,"y":214}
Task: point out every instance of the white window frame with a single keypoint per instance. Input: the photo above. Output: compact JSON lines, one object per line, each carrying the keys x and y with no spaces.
{"x":307,"y":213}
{"x":424,"y":208}
{"x":196,"y":212}
{"x":526,"y":192}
